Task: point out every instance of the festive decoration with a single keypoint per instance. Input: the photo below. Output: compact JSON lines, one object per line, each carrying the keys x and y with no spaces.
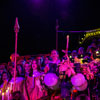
{"x":90,"y":33}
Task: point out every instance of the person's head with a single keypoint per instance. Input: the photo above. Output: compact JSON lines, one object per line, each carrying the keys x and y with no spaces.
{"x":12,"y":57}
{"x":74,"y":53}
{"x":81,"y":51}
{"x":27,"y":68}
{"x":39,"y":60}
{"x":4,"y":76}
{"x":93,"y":44}
{"x":10,"y":66}
{"x":91,"y":49}
{"x":19,"y":69}
{"x":54,"y":54}
{"x":46,"y":60}
{"x":11,"y":71}
{"x":1,"y":69}
{"x":34,"y":64}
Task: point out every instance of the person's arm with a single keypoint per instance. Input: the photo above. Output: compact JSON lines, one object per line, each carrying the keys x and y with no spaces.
{"x":70,"y":71}
{"x":46,"y":69}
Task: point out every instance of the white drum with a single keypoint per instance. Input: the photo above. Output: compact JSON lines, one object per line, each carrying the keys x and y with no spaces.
{"x":82,"y":87}
{"x":52,"y":81}
{"x":78,"y":79}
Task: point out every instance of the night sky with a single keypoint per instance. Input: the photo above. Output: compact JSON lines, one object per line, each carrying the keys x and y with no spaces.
{"x":37,"y":20}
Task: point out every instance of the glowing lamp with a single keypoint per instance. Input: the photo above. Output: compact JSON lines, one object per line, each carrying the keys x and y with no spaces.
{"x":33,"y":75}
{"x":82,"y":38}
{"x":8,"y":88}
{"x":6,"y":91}
{"x":97,"y":52}
{"x":75,"y":91}
{"x":70,"y":56}
{"x":3,"y":93}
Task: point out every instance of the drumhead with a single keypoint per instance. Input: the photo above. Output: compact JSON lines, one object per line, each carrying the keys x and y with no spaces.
{"x":82,"y":87}
{"x":78,"y":79}
{"x":50,"y":79}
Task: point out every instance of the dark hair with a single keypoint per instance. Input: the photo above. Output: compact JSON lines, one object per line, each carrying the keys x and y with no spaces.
{"x":22,"y":70}
{"x":38,"y":67}
{"x":2,"y":76}
{"x":30,"y":65}
{"x":55,"y":50}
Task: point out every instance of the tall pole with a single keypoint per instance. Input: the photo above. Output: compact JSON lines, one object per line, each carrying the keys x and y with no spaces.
{"x":67,"y":46}
{"x":16,"y":29}
{"x":67,"y":43}
{"x":57,"y":26}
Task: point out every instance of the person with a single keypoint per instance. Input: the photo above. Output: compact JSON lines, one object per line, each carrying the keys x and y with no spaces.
{"x":46,"y":61}
{"x":55,"y":57}
{"x":20,"y":70}
{"x":38,"y":91}
{"x":74,"y":53}
{"x":28,"y":69}
{"x":1,"y":70}
{"x":18,"y":82}
{"x":28,"y":85}
{"x":10,"y":69}
{"x":91,"y":49}
{"x":39,"y":60}
{"x":35,"y":66}
{"x":4,"y":85}
{"x":81,"y":52}
{"x":66,"y":70}
{"x":4,"y":80}
{"x":52,"y":67}
{"x":12,"y":58}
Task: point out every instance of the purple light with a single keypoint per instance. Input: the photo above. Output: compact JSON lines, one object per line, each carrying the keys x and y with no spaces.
{"x":37,"y":2}
{"x":64,"y":1}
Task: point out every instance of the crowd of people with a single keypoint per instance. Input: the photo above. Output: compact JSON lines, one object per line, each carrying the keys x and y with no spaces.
{"x":30,"y":74}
